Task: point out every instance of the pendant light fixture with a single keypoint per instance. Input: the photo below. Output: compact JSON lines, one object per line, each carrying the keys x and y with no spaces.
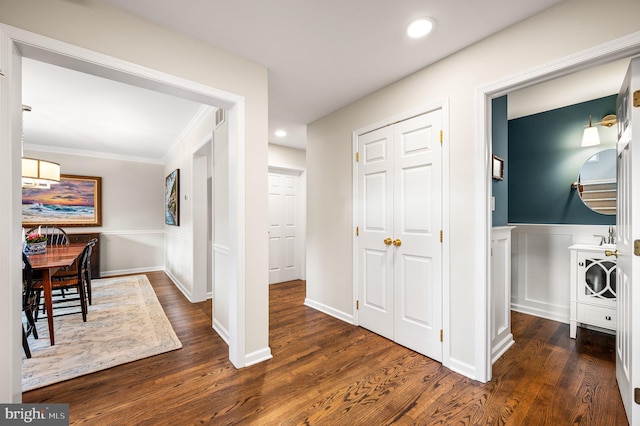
{"x":36,"y":173}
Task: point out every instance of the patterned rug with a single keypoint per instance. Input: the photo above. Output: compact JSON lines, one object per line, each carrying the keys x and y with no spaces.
{"x":124,"y":324}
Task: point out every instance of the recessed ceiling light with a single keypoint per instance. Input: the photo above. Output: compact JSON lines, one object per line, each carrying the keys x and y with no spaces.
{"x":419,"y":28}
{"x":281,"y":133}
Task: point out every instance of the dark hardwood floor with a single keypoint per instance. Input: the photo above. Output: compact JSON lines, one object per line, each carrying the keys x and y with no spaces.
{"x":327,"y":372}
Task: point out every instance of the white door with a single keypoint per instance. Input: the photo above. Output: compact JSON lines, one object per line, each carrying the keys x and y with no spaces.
{"x":628,"y":224}
{"x":399,"y":248}
{"x":375,"y":225}
{"x":284,"y":262}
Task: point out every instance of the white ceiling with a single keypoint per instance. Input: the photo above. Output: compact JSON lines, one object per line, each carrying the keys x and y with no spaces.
{"x":592,"y":83}
{"x":321,"y":56}
{"x":77,"y":112}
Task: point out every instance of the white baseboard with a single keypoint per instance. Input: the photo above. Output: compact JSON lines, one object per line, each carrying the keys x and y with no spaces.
{"x":106,"y":274}
{"x":463,"y":368}
{"x":542,"y":313}
{"x":222,"y":332}
{"x":329,"y":310}
{"x":258,"y":356}
{"x":186,"y":292}
{"x":501,"y":348}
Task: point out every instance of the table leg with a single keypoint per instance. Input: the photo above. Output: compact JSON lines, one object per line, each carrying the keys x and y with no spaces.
{"x":46,"y":284}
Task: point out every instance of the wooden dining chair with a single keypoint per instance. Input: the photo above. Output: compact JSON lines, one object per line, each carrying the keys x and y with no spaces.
{"x":72,"y":271}
{"x":67,"y":301}
{"x":29,"y":305}
{"x":86,"y":269}
{"x":56,"y":236}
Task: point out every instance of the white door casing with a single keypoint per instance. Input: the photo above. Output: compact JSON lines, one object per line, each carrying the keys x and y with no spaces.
{"x":399,"y":252}
{"x":628,"y":227}
{"x":284,"y":259}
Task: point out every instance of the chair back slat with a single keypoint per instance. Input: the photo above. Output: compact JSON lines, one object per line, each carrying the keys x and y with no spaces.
{"x":56,"y":236}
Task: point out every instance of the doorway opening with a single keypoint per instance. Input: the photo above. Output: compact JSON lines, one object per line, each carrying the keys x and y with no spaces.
{"x":25,"y":44}
{"x":203,"y":225}
{"x":602,"y":54}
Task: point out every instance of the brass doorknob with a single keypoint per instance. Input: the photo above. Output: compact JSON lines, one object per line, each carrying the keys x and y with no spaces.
{"x":397,"y":243}
{"x":388,"y":241}
{"x":611,"y":253}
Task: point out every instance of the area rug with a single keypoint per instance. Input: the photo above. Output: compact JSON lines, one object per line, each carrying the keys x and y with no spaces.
{"x":124,"y":324}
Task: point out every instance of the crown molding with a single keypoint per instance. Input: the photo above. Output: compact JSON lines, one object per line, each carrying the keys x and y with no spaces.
{"x":92,"y":154}
{"x":197,"y":119}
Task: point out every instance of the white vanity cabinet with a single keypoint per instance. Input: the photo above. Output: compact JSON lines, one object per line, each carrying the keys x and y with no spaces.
{"x":593,"y":287}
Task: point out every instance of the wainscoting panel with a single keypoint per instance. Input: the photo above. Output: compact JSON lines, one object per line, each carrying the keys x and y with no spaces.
{"x":221,"y":291}
{"x":501,"y":337}
{"x":540,"y":273}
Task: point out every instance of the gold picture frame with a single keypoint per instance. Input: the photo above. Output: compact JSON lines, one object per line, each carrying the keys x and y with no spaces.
{"x":75,"y":201}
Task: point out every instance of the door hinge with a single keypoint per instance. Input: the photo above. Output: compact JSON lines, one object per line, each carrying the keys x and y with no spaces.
{"x":636,"y":98}
{"x":357,"y":157}
{"x":441,"y":137}
{"x":357,"y":231}
{"x":636,"y":247}
{"x":441,"y":235}
{"x":636,"y":395}
{"x":357,"y":305}
{"x":441,"y":335}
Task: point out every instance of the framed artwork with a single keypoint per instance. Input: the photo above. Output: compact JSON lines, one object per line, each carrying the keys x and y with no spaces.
{"x":75,"y":201}
{"x":172,"y":198}
{"x":498,"y":168}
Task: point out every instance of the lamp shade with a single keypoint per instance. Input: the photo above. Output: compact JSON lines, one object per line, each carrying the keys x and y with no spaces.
{"x":39,"y":173}
{"x":590,"y":137}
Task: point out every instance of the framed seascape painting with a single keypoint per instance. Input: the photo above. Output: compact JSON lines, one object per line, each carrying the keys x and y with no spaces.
{"x":75,"y":201}
{"x":172,"y":198}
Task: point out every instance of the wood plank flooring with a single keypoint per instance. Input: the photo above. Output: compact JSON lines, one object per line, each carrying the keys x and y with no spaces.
{"x":327,"y":372}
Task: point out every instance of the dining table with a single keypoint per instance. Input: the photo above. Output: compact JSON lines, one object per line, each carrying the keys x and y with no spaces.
{"x":49,"y":262}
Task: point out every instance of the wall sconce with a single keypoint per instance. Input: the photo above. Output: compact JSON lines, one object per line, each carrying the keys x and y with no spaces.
{"x":590,"y":136}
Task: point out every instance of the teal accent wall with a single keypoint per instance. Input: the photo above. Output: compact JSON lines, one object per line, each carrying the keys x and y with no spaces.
{"x":545,"y":157}
{"x":500,"y":147}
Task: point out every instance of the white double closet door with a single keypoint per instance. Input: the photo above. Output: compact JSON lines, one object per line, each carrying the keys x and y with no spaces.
{"x":399,"y":249}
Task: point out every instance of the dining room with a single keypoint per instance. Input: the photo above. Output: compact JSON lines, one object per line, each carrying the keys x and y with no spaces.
{"x":113,"y":198}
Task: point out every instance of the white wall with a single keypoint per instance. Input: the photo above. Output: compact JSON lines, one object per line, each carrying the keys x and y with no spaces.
{"x":284,"y":156}
{"x":132,"y":231}
{"x":529,"y":44}
{"x":221,"y":232}
{"x":106,"y":30}
{"x":593,"y":83}
{"x":179,"y":239}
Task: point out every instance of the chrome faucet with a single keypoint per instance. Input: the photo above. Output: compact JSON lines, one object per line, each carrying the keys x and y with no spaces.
{"x":612,"y":236}
{"x":603,"y":239}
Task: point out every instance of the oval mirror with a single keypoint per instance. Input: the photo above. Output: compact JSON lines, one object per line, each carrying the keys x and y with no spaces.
{"x":597,"y":182}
